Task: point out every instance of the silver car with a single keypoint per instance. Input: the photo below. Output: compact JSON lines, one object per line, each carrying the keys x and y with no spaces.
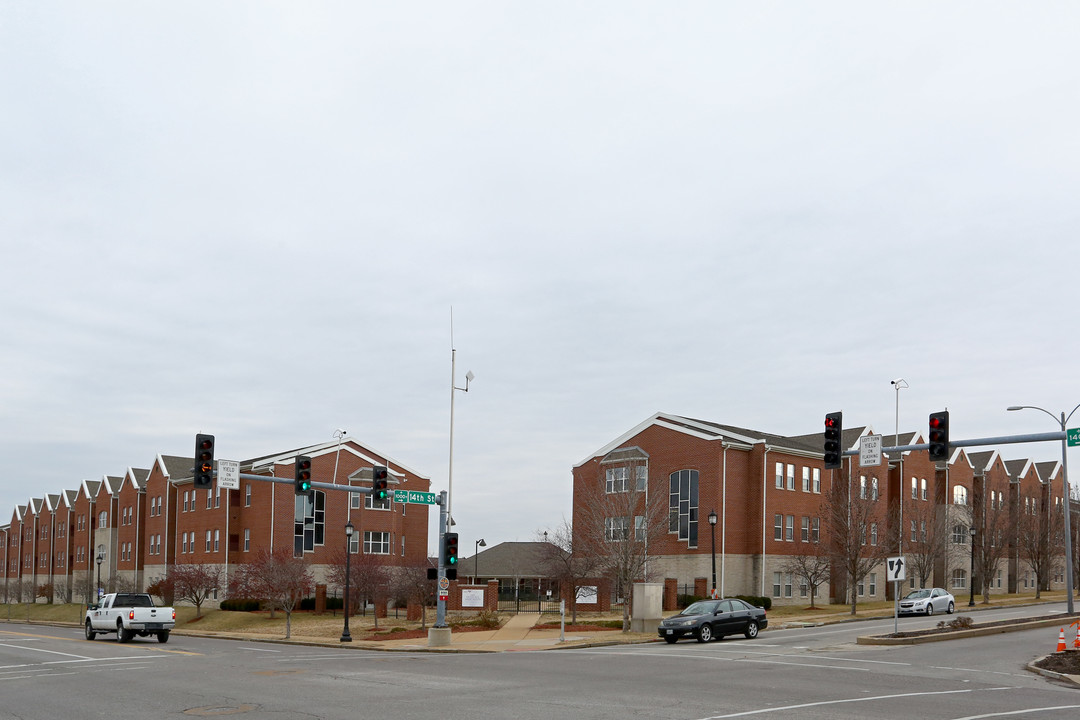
{"x":927,"y":602}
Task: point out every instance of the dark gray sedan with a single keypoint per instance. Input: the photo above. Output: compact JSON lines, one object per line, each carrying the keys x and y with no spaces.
{"x":706,"y":620}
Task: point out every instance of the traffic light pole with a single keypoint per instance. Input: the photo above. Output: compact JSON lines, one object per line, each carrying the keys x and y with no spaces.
{"x":440,"y":605}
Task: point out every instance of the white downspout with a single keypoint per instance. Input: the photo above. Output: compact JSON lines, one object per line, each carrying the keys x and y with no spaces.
{"x":723,"y":524}
{"x":764,"y":490}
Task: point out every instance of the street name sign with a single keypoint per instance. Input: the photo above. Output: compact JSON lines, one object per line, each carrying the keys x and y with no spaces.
{"x":415,"y":497}
{"x":1074,"y":437}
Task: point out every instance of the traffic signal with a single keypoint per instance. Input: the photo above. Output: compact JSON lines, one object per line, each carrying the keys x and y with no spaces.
{"x":450,"y":550}
{"x":303,"y":475}
{"x":939,"y":435}
{"x":834,"y":429}
{"x":204,"y":461}
{"x":379,"y":483}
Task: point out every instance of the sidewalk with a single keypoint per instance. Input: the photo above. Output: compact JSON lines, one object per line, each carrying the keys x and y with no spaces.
{"x":517,"y":633}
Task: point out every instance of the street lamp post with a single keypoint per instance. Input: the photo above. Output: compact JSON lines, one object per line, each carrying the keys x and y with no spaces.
{"x":712,"y":531}
{"x":476,"y":562}
{"x":97,"y":590}
{"x":971,"y":580}
{"x":900,"y":384}
{"x":345,"y":636}
{"x":1063,"y":421}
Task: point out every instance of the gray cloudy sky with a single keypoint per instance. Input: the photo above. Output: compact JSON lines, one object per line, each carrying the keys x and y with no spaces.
{"x":253,"y":219}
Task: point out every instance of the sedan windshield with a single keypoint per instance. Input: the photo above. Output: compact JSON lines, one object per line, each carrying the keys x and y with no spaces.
{"x":917,"y":595}
{"x":704,"y":607}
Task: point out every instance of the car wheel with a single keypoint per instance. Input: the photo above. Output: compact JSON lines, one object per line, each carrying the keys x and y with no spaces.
{"x":704,"y":633}
{"x":751,"y":630}
{"x":929,"y":609}
{"x":90,"y":634}
{"x":951,"y":608}
{"x":122,"y":635}
{"x":163,"y":636}
{"x":670,"y":640}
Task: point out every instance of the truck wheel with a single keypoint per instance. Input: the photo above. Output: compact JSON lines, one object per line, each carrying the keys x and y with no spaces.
{"x":163,"y":636}
{"x":122,"y":635}
{"x":90,"y":634}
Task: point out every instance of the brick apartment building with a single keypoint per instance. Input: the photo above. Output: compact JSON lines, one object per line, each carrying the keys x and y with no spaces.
{"x":768,"y":490}
{"x":145,"y":520}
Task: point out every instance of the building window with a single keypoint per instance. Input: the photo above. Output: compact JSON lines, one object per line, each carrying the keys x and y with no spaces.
{"x":639,"y":530}
{"x":914,"y":532}
{"x":309,"y":528}
{"x":789,"y":528}
{"x":805,"y":479}
{"x":103,"y":519}
{"x":183,"y":544}
{"x":816,"y":473}
{"x":873,"y":537}
{"x":217,"y":540}
{"x":778,"y":527}
{"x":959,"y":535}
{"x":815,"y":530}
{"x":247,"y":495}
{"x":805,"y":533}
{"x":873,"y":489}
{"x":683,"y":505}
{"x":914,"y":489}
{"x":376,"y":543}
{"x":372,"y":503}
{"x":247,"y":537}
{"x":354,"y":543}
{"x":217,"y":496}
{"x":873,"y":584}
{"x":862,"y":487}
{"x":776,"y":583}
{"x":790,"y":477}
{"x":209,"y":498}
{"x":185,"y":501}
{"x":787,"y":585}
{"x":616,"y":529}
{"x":959,"y":579}
{"x":959,"y":494}
{"x":922,"y":484}
{"x":922,"y":530}
{"x":617,"y":479}
{"x":779,"y":481}
{"x":207,"y":541}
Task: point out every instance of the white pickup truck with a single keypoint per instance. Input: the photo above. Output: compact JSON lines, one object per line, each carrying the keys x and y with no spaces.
{"x":128,"y":615}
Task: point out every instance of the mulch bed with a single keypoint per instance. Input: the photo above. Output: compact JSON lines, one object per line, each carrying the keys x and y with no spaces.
{"x":1067,"y":662}
{"x":418,"y":634}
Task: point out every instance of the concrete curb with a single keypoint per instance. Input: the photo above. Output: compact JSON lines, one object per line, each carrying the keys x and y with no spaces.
{"x":1073,"y":680}
{"x":960,"y":634}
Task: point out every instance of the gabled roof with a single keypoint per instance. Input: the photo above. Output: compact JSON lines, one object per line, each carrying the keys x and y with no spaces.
{"x":136,"y":477}
{"x":348,"y":445}
{"x":1018,"y":469}
{"x":727,"y":435}
{"x":983,"y":461}
{"x":90,"y":489}
{"x":112,"y":483}
{"x":70,"y":497}
{"x":52,"y":501}
{"x":34,"y":505}
{"x":1048,"y":470}
{"x":509,"y":559}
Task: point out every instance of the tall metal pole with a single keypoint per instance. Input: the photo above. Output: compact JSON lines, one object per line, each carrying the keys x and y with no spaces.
{"x":1063,"y":421}
{"x":971,"y":580}
{"x":712,"y":531}
{"x":440,"y":605}
{"x":345,"y":636}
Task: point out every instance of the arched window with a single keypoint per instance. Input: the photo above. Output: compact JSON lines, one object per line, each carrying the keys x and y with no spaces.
{"x":959,"y":495}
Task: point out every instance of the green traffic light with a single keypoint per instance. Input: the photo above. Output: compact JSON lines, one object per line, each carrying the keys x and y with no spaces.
{"x":453,"y":561}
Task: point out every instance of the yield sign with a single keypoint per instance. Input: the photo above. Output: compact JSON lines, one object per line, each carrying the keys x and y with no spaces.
{"x":896,"y":568}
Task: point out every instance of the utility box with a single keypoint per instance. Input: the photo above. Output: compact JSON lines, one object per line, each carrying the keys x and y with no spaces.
{"x":647,"y":608}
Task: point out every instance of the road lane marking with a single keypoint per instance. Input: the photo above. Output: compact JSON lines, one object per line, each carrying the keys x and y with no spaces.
{"x":1018,"y":712}
{"x":255,"y":649}
{"x":51,"y":652}
{"x":787,"y":708}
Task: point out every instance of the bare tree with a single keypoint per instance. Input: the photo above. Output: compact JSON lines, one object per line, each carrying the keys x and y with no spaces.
{"x":1039,"y":536}
{"x":850,"y":520}
{"x":618,"y":524}
{"x":277,"y":578}
{"x":813,"y":567}
{"x":928,"y":543}
{"x":992,"y":543}
{"x":412,"y":584}
{"x":571,"y":566}
{"x":369,"y":578}
{"x":194,"y":583}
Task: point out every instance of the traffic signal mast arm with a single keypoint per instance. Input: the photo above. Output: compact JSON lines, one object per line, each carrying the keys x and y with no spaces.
{"x":976,"y":442}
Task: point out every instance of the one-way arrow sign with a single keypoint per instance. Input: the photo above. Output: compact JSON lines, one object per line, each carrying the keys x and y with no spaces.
{"x":896,"y":568}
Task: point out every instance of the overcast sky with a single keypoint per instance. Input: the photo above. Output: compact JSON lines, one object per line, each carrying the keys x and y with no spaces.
{"x":253,"y":219}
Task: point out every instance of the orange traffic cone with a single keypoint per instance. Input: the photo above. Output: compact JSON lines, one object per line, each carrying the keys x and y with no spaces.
{"x":1076,"y":642}
{"x":1061,"y":641}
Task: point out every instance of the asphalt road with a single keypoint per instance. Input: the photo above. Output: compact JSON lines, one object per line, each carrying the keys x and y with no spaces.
{"x":810,"y":673}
